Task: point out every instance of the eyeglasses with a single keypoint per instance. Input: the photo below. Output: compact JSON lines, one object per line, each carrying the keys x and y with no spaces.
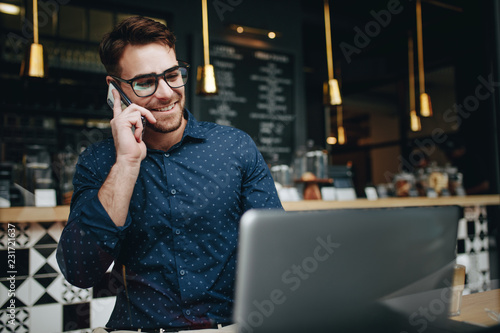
{"x":146,"y":85}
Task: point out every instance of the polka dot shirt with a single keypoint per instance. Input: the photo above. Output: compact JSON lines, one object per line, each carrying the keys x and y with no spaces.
{"x":179,"y":242}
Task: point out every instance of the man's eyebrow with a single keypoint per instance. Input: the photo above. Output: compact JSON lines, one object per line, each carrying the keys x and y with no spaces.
{"x":139,"y":76}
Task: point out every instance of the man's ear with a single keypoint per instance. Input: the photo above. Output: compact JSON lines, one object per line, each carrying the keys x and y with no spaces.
{"x":108,"y":79}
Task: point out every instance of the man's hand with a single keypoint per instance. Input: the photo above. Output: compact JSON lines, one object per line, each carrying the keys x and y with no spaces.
{"x":116,"y":191}
{"x":129,"y":145}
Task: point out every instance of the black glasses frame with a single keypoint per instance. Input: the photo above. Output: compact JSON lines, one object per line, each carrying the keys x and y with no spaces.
{"x":182,"y":64}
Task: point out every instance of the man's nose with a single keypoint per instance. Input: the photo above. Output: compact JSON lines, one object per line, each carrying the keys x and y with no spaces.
{"x":163,"y":91}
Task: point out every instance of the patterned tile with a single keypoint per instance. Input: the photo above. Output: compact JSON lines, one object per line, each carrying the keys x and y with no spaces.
{"x":52,"y":261}
{"x":21,"y":262}
{"x":35,"y":232}
{"x":7,"y":292}
{"x":21,"y":235}
{"x":56,"y":289}
{"x":72,"y":294}
{"x":76,"y":316}
{"x":40,"y":315}
{"x":36,"y":261}
{"x":55,"y":230}
{"x":462,"y":229}
{"x":30,"y":291}
{"x":15,"y":323}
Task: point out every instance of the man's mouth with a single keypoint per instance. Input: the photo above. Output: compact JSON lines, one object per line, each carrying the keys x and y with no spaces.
{"x":165,"y":108}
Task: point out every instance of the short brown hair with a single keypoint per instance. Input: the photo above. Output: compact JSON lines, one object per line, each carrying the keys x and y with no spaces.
{"x":136,"y":30}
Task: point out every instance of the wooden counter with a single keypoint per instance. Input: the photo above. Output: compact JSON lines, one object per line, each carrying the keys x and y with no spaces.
{"x":473,"y":200}
{"x":474,"y":305}
{"x":61,"y":213}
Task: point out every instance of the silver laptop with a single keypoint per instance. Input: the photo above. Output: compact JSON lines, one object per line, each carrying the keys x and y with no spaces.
{"x":345,"y":270}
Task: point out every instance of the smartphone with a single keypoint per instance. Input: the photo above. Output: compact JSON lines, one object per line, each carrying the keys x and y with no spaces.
{"x":124,"y":99}
{"x":111,"y":99}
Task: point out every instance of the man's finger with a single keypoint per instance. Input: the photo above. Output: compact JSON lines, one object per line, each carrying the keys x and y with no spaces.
{"x":117,"y":106}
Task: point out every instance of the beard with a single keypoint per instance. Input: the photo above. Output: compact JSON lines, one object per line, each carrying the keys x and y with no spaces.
{"x":166,"y":123}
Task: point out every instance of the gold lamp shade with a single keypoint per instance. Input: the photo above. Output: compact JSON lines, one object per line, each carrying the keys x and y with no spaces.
{"x":34,"y":63}
{"x":333,"y":85}
{"x":415,"y":123}
{"x":425,"y":105}
{"x":331,"y":93}
{"x":341,"y":135}
{"x":334,"y":92}
{"x":205,"y":81}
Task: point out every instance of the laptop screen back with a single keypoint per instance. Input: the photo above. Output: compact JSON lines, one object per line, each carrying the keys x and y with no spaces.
{"x":344,"y":269}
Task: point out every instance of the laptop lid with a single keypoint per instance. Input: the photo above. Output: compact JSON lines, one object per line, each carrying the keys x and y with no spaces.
{"x":345,"y":270}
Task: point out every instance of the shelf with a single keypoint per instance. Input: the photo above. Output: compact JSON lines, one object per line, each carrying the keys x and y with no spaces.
{"x":61,"y":213}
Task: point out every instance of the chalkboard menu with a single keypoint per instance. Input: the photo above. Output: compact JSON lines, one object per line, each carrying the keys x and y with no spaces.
{"x":255,"y":95}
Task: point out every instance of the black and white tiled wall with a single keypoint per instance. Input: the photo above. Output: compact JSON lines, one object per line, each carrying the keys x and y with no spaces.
{"x":45,"y":302}
{"x":473,"y":249}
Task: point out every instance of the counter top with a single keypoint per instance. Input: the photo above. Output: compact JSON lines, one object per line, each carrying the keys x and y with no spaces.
{"x":472,"y":200}
{"x":61,"y":213}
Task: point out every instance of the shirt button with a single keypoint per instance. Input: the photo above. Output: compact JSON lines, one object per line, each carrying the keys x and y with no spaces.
{"x":188,"y":312}
{"x":177,"y":232}
{"x":173,"y":191}
{"x":182,"y":272}
{"x":167,"y":155}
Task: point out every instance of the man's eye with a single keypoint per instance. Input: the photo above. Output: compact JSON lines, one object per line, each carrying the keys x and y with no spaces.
{"x":144,"y":83}
{"x":172,"y":76}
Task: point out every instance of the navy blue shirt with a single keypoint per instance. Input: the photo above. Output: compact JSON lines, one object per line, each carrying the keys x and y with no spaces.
{"x":179,"y":241}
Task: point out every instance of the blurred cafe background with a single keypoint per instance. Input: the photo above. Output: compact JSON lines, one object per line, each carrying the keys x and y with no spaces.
{"x":350,"y":103}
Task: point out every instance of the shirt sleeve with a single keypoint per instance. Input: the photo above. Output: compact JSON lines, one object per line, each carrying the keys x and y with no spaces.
{"x":258,"y":189}
{"x":90,"y":240}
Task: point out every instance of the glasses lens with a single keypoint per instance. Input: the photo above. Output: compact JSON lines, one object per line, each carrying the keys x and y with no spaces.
{"x":144,"y":86}
{"x":177,"y":78}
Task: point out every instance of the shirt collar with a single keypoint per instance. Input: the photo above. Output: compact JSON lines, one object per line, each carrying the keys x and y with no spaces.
{"x":193,"y":128}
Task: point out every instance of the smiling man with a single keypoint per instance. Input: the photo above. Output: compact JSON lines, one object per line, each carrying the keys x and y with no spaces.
{"x":162,"y":202}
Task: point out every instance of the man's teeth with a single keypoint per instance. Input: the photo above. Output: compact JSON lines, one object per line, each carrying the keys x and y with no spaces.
{"x":167,"y":108}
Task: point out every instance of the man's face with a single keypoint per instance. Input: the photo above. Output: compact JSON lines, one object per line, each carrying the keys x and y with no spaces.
{"x":166,"y":104}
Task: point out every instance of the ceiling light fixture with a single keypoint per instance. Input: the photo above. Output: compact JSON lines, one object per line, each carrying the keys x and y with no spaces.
{"x":9,"y":9}
{"x":34,"y":64}
{"x":415,"y":124}
{"x":206,"y":83}
{"x":425,"y":100}
{"x":333,"y":84}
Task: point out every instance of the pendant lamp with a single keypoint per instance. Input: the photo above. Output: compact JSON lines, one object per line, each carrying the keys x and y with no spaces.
{"x":415,"y":124}
{"x":206,"y":84}
{"x":333,"y":97}
{"x":425,"y":100}
{"x":34,"y":64}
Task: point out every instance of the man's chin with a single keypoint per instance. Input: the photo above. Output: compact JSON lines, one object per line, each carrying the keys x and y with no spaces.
{"x":166,"y":124}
